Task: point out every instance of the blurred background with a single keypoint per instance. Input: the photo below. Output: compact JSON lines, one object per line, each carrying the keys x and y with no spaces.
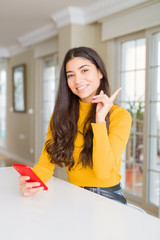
{"x":34,"y":37}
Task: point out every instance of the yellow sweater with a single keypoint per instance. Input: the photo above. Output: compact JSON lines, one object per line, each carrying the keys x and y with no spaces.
{"x":107,"y":151}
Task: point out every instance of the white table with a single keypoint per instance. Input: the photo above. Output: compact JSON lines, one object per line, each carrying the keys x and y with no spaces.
{"x":68,"y":212}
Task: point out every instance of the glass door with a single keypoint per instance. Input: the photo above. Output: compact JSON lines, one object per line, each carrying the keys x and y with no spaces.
{"x":132,"y":80}
{"x":154,"y":123}
{"x":139,"y":76}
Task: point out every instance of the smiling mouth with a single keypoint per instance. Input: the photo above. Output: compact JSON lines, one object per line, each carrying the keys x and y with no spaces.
{"x":82,"y":87}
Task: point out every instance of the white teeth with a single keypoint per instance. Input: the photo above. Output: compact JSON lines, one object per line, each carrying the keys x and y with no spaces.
{"x":81,"y":87}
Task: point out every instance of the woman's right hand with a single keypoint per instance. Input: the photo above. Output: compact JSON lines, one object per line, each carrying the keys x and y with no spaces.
{"x":28,"y":188}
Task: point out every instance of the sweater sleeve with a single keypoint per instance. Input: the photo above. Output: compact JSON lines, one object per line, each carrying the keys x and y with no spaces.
{"x":108,"y":148}
{"x":44,"y":168}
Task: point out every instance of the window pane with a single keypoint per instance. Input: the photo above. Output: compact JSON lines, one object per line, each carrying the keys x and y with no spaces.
{"x":48,"y":91}
{"x":129,"y":150}
{"x":48,"y":106}
{"x":128,"y":86}
{"x":155,"y":49}
{"x":154,"y":153}
{"x":128,"y":55}
{"x":133,"y":55}
{"x":155,"y":84}
{"x":140,"y":85}
{"x":140,"y":53}
{"x":154,"y":188}
{"x":2,"y":106}
{"x":49,"y":73}
{"x":134,"y":150}
{"x":136,"y":109}
{"x":155,"y":119}
{"x":134,"y":181}
{"x":49,"y":88}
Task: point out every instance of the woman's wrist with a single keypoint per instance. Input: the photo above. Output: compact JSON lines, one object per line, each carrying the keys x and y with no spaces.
{"x":99,"y":120}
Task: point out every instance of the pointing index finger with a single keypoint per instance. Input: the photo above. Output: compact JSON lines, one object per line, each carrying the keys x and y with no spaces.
{"x":114,"y":95}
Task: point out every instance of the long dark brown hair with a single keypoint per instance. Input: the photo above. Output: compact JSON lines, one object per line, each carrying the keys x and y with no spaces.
{"x":63,"y":123}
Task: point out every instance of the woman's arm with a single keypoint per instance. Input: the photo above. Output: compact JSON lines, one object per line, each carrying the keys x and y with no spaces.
{"x":108,"y":148}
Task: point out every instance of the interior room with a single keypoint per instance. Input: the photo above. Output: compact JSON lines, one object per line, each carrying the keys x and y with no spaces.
{"x":35,"y":35}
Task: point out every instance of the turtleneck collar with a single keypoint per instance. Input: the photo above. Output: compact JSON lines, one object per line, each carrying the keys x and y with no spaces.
{"x":83,"y":106}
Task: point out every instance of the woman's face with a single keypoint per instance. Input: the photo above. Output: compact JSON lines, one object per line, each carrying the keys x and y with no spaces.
{"x":83,"y":78}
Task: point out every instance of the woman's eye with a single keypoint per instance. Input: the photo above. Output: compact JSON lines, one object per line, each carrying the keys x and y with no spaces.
{"x":70,"y":75}
{"x":85,"y":70}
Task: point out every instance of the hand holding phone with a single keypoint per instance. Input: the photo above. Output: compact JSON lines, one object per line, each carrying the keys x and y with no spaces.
{"x":30,"y":183}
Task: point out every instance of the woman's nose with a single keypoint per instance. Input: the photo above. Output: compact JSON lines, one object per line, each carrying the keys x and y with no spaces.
{"x":78,"y":79}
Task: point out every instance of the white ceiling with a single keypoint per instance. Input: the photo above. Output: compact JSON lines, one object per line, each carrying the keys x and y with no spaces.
{"x":21,"y":20}
{"x":20,"y":17}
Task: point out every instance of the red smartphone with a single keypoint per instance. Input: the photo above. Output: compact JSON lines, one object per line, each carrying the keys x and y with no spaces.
{"x":25,"y":170}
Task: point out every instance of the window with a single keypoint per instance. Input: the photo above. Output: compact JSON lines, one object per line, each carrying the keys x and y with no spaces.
{"x":139,"y":76}
{"x":154,"y":123}
{"x":132,"y":80}
{"x":3,"y":97}
{"x":48,"y":90}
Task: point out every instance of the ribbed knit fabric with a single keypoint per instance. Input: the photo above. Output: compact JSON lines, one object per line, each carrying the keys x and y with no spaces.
{"x":107,"y":151}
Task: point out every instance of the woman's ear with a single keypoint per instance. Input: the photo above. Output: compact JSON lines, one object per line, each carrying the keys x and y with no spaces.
{"x":100,"y":74}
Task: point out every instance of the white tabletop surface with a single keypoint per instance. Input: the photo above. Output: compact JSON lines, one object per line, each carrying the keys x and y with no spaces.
{"x":67,"y":212}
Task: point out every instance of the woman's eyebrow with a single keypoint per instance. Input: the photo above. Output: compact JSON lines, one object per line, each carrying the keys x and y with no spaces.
{"x":84,"y":66}
{"x":79,"y":68}
{"x":69,"y":71}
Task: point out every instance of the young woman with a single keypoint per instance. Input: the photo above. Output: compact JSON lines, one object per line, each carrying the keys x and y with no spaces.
{"x":86,"y":133}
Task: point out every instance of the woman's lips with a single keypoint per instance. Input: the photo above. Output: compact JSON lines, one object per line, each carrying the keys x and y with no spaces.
{"x":80,"y":89}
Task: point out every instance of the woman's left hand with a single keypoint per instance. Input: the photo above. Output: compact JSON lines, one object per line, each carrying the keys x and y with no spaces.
{"x":104,"y":104}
